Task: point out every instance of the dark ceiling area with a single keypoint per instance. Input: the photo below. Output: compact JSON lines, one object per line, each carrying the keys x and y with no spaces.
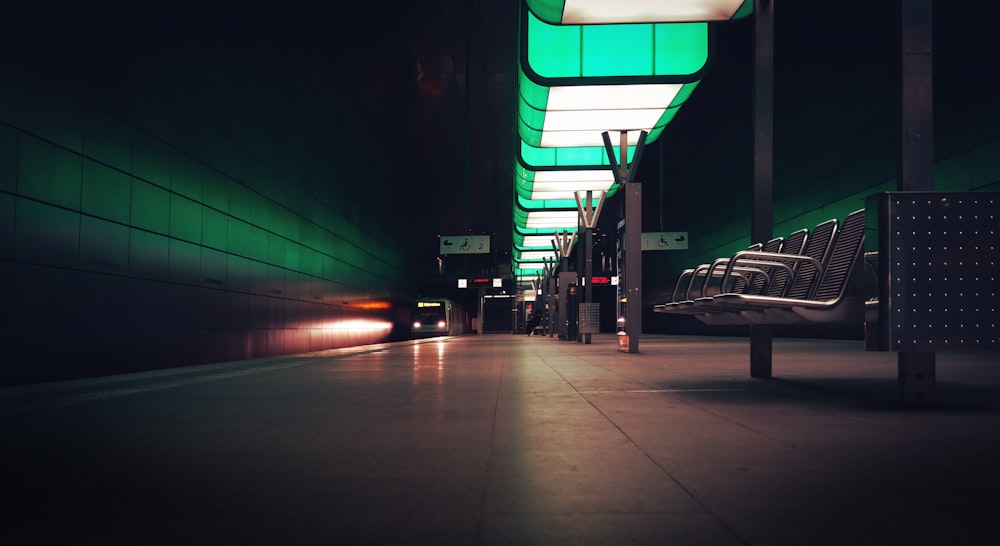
{"x":438,"y":75}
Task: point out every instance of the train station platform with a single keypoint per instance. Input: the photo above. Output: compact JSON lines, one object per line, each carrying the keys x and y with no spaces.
{"x":504,"y":439}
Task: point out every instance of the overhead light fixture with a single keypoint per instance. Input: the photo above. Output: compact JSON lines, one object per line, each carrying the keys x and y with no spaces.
{"x":533,"y":241}
{"x":533,"y":255}
{"x":576,"y":81}
{"x":560,"y":185}
{"x":583,"y":12}
{"x":534,"y":157}
{"x":641,"y":52}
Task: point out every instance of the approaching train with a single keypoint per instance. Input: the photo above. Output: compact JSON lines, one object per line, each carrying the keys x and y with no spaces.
{"x":439,"y":317}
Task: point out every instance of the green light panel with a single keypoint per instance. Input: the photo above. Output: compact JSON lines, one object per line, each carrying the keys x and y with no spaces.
{"x":529,"y":256}
{"x":528,"y":269}
{"x":546,"y":219}
{"x":582,"y":12}
{"x":525,"y":208}
{"x":534,"y":242}
{"x":536,"y":158}
{"x":581,"y":94}
{"x":561,"y":185}
{"x":573,"y":129}
{"x":576,"y":115}
{"x":614,"y":50}
{"x":547,"y":204}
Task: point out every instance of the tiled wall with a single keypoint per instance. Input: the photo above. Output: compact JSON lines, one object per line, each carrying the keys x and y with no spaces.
{"x":834,"y":145}
{"x":146,"y":224}
{"x":975,"y":169}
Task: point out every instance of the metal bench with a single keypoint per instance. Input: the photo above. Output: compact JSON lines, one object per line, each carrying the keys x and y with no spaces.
{"x":791,"y":271}
{"x":816,"y":294}
{"x":686,"y":284}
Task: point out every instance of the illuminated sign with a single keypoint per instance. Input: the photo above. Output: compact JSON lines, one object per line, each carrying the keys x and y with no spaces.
{"x":601,"y":280}
{"x":428,"y":304}
{"x":665,"y":240}
{"x":465,"y":244}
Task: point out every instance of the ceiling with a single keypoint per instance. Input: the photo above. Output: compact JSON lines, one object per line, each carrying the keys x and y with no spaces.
{"x":438,"y":74}
{"x":446,"y":67}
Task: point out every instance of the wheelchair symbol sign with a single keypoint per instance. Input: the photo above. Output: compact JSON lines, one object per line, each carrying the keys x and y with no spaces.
{"x":665,"y":240}
{"x":465,"y":244}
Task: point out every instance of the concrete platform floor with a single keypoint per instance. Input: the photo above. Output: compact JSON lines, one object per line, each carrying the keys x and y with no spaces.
{"x":501,"y":439}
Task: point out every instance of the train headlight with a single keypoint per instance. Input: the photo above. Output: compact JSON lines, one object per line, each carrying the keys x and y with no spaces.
{"x":441,"y":324}
{"x":416,"y":324}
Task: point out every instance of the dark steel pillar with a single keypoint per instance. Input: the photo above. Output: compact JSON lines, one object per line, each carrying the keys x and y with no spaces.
{"x":916,"y":370}
{"x":762,"y":217}
{"x":580,"y":265}
{"x":633,"y":248}
{"x":632,"y":268}
{"x":550,"y":295}
{"x":633,"y":264}
{"x":589,"y":215}
{"x":562,"y":243}
{"x":588,"y":292}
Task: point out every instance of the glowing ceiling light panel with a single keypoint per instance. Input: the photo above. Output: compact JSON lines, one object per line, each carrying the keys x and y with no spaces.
{"x":580,"y":12}
{"x":552,"y":219}
{"x":577,"y":80}
{"x":534,"y":255}
{"x":561,"y":185}
{"x":556,"y":178}
{"x":537,"y":241}
{"x":534,"y":157}
{"x":568,"y":116}
{"x":525,"y":208}
{"x":677,"y":51}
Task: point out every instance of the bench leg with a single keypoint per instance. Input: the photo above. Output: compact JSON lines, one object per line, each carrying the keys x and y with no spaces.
{"x":916,"y":379}
{"x":760,"y":350}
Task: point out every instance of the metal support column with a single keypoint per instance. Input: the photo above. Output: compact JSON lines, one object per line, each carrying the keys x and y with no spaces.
{"x":625,"y":175}
{"x":550,"y":298}
{"x":916,"y":373}
{"x":762,"y":217}
{"x":589,"y":215}
{"x":580,"y":270}
{"x":562,"y":243}
{"x":588,"y":274}
{"x":633,"y":264}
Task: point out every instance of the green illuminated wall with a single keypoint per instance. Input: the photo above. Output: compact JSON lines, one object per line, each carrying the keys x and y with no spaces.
{"x":180,"y":203}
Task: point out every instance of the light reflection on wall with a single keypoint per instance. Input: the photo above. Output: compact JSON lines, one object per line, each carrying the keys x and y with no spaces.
{"x":141,"y":238}
{"x":355,"y":331}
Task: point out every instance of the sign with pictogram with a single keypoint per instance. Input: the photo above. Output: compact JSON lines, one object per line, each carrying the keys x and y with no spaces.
{"x":665,"y":240}
{"x":465,"y":244}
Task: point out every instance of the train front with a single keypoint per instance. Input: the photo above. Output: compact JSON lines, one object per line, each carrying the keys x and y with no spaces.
{"x":430,"y":318}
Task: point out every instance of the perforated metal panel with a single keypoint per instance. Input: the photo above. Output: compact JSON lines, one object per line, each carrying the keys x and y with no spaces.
{"x":938,"y":267}
{"x":590,"y":318}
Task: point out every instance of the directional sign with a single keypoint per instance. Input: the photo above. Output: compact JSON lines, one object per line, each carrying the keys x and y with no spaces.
{"x":465,"y":244}
{"x":665,"y":240}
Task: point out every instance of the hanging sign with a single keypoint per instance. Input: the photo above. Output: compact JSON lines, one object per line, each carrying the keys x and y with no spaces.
{"x":665,"y":240}
{"x":465,"y":244}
